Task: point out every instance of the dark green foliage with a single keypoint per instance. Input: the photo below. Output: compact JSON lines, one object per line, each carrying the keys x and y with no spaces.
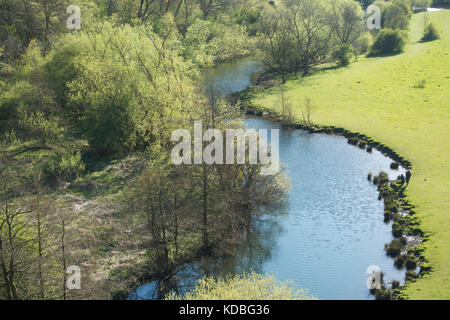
{"x":411,"y":276}
{"x":383,"y":178}
{"x":395,"y":165}
{"x":343,"y":54}
{"x":395,"y":284}
{"x":431,"y":33}
{"x":397,"y":15}
{"x":362,"y":145}
{"x":375,"y":180}
{"x":109,"y":126}
{"x":353,"y":140}
{"x":397,"y":230}
{"x":394,"y":248}
{"x":400,"y":261}
{"x":369,"y":177}
{"x":411,"y":262}
{"x":388,"y":42}
{"x":383,"y":294}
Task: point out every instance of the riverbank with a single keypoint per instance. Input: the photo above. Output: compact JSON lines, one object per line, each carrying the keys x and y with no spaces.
{"x":401,"y":101}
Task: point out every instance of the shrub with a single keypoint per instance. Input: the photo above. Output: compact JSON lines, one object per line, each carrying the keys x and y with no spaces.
{"x":395,"y":165}
{"x":251,"y":286}
{"x":400,"y":261}
{"x":395,"y":284}
{"x":394,"y":248}
{"x":362,"y":145}
{"x":383,"y":178}
{"x":411,"y":275}
{"x":388,"y":42}
{"x":362,"y":44}
{"x":397,"y":230}
{"x":411,"y":263}
{"x":431,"y":33}
{"x":369,"y":177}
{"x":343,"y":54}
{"x":375,"y":180}
{"x":369,"y":149}
{"x":353,"y":140}
{"x":383,"y":294}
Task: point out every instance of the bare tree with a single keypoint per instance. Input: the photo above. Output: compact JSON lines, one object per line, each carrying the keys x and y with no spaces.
{"x":307,"y":111}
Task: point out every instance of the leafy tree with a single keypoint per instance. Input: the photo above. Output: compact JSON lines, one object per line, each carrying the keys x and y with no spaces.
{"x":397,"y":15}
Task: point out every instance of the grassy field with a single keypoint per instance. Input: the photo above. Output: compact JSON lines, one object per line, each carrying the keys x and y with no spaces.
{"x":402,"y":101}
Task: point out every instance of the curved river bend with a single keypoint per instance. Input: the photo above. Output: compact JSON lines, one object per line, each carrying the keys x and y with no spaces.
{"x":331,"y":227}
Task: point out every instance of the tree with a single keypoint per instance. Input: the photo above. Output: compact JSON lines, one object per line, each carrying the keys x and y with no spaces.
{"x":397,"y":15}
{"x":276,"y":43}
{"x":309,"y":25}
{"x":50,"y":9}
{"x":346,"y":20}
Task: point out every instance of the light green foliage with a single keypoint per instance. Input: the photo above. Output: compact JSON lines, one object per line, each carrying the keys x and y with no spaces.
{"x":363,"y":43}
{"x":252,"y":286}
{"x":207,"y":43}
{"x":343,"y":54}
{"x":156,"y":87}
{"x":66,"y":166}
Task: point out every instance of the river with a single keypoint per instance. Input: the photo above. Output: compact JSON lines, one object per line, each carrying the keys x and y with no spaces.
{"x":331,"y":227}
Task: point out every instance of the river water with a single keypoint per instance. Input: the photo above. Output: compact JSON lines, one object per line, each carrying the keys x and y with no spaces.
{"x":331,"y":228}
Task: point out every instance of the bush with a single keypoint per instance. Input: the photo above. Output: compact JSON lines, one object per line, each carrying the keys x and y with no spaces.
{"x":343,"y":54}
{"x":383,"y":178}
{"x":389,"y":42}
{"x":431,"y":33}
{"x":362,"y":145}
{"x":395,"y":284}
{"x":395,"y":165}
{"x":362,"y":44}
{"x":400,"y":261}
{"x":394,"y":248}
{"x":353,"y":140}
{"x":397,"y":230}
{"x":411,"y":263}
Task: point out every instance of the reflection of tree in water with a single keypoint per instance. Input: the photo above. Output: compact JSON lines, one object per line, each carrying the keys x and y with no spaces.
{"x":258,"y":243}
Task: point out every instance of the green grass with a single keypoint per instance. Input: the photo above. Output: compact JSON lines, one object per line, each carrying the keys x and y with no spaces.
{"x":402,"y":101}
